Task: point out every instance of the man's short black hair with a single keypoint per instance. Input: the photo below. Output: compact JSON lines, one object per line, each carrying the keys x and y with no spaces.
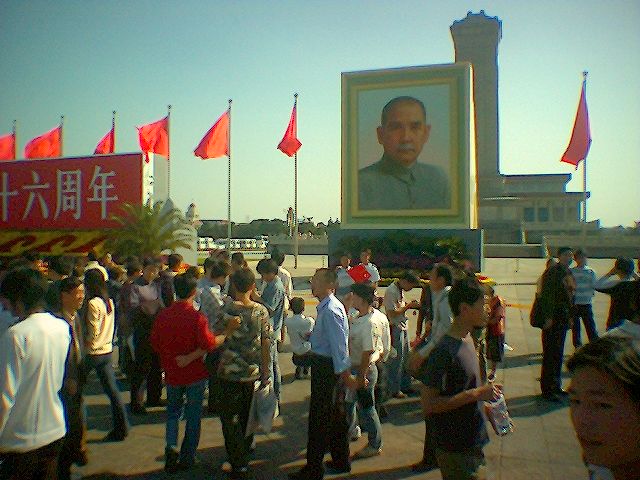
{"x":243,"y":279}
{"x":185,"y":285}
{"x":220,"y":268}
{"x":25,"y":285}
{"x":403,"y":99}
{"x":62,"y":265}
{"x":278,"y":257}
{"x":238,"y":258}
{"x":444,"y":271}
{"x":194,"y":271}
{"x":364,"y":291}
{"x":297,"y":305}
{"x":580,"y":252}
{"x":468,"y":291}
{"x":151,"y":261}
{"x":625,"y":265}
{"x":268,"y":266}
{"x":563,"y":250}
{"x":174,"y":260}
{"x":410,"y":277}
{"x":92,"y":256}
{"x":208,"y":263}
{"x":133,"y":266}
{"x":70,"y":283}
{"x":328,"y":275}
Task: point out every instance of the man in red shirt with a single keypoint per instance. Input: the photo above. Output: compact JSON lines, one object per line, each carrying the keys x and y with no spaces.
{"x":181,"y":337}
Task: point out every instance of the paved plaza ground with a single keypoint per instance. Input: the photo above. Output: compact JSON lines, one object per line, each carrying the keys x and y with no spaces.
{"x":543,"y":445}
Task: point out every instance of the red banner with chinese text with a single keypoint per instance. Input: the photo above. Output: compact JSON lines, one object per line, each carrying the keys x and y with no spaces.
{"x":79,"y":193}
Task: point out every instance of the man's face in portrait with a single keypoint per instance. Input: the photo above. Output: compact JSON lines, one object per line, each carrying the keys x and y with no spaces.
{"x":404,"y":133}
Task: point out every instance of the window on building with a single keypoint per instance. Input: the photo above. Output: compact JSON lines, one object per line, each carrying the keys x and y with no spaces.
{"x":529,"y":214}
{"x":558,"y":214}
{"x":543,"y":214}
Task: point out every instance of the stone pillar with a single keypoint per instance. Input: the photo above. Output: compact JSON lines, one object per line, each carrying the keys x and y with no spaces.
{"x":475,"y":39}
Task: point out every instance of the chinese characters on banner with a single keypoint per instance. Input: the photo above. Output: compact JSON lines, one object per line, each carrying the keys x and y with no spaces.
{"x":68,"y":193}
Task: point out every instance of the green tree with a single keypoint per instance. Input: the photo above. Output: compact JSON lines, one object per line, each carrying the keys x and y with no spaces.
{"x":148,"y":230}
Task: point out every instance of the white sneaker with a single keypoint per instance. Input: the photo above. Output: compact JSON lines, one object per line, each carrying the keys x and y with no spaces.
{"x":368,"y":452}
{"x":356,"y":434}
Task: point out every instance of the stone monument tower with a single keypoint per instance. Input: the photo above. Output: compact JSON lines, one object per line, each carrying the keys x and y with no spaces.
{"x":476,"y":40}
{"x":512,"y":208}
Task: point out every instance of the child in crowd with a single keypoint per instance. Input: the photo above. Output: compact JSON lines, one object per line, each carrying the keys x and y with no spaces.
{"x":300,"y":327}
{"x":495,"y":332}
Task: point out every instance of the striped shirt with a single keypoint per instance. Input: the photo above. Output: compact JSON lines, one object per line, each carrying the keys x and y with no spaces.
{"x":585,"y":279}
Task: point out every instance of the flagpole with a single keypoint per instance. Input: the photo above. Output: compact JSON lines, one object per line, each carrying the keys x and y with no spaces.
{"x":229,"y":182}
{"x":15,"y":139}
{"x":584,"y":174}
{"x":113,"y":127}
{"x":168,"y":151}
{"x":295,"y":197}
{"x":62,"y":135}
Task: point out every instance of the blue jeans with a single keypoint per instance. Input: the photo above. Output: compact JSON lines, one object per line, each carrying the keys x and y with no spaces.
{"x":369,"y":420}
{"x":274,"y":365}
{"x":398,"y":379}
{"x":176,"y":394}
{"x":102,"y":364}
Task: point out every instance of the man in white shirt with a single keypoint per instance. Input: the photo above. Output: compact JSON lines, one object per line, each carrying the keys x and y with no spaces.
{"x":365,"y":348}
{"x":395,"y":307}
{"x":342,"y":274}
{"x":585,"y":279}
{"x":365,"y":259}
{"x":33,"y":353}
{"x":440,"y":281}
{"x":287,"y":283}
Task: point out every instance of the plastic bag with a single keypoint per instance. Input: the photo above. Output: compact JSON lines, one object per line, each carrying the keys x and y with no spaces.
{"x":263,"y":410}
{"x":498,"y":416}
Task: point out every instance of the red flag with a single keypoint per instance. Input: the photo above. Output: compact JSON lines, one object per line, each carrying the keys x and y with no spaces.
{"x":215,"y":143}
{"x":581,"y":135}
{"x":46,"y":145}
{"x":154,"y":138}
{"x":107,"y":144}
{"x":290,"y":144}
{"x":8,"y":147}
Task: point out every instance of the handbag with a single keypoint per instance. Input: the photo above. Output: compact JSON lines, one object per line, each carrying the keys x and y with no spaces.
{"x":536,"y":315}
{"x":263,"y":410}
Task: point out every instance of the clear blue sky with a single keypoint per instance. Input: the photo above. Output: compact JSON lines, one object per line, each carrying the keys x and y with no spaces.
{"x":84,"y":59}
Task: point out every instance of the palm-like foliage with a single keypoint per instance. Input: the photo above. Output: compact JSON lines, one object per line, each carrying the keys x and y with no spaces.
{"x":148,"y":230}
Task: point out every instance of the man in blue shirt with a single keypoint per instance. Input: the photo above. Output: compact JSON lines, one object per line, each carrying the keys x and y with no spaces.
{"x":330,"y":367}
{"x":273,"y":297}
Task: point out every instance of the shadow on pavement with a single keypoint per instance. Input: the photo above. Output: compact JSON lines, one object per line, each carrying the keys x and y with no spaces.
{"x":404,"y":412}
{"x":522,"y":360}
{"x":532,"y":406}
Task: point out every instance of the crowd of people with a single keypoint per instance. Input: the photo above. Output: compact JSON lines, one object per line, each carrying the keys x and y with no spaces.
{"x":223,"y":331}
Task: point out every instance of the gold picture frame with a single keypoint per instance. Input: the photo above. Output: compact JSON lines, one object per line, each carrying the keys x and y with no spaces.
{"x":446,"y":93}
